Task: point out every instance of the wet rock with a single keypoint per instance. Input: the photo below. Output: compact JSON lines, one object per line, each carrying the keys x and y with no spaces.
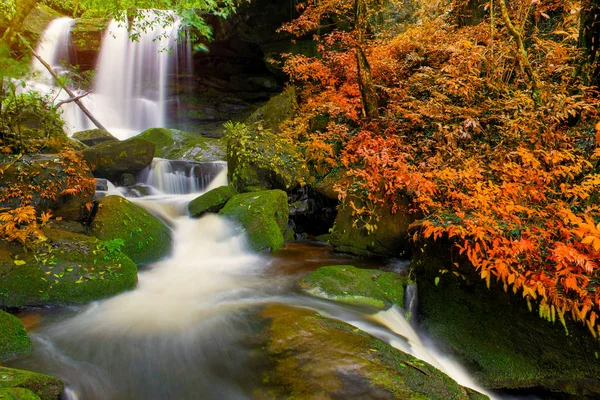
{"x":67,"y":268}
{"x":14,"y":341}
{"x":25,"y":385}
{"x":101,"y":184}
{"x":113,"y":158}
{"x":127,"y":180}
{"x":351,"y":285}
{"x":92,"y":137}
{"x":263,"y":215}
{"x":34,"y":174}
{"x":496,"y":337}
{"x":211,"y":202}
{"x":146,"y":239}
{"x":318,"y":358}
{"x":86,"y":36}
{"x":174,"y":144}
{"x":300,"y":207}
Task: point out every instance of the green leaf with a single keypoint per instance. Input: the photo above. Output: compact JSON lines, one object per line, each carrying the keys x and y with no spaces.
{"x":437,"y":280}
{"x":19,"y":262}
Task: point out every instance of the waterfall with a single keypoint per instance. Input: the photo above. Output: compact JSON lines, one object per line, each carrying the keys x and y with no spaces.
{"x":130,"y":87}
{"x":181,"y":177}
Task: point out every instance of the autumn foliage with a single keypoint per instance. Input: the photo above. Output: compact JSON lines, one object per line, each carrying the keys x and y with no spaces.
{"x":505,"y":167}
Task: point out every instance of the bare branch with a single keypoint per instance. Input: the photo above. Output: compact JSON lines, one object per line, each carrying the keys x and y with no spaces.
{"x":70,"y":100}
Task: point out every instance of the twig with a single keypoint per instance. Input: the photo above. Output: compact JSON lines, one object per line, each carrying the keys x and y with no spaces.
{"x":70,"y":100}
{"x":417,"y":368}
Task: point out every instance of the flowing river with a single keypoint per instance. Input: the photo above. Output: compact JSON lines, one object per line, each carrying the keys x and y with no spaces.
{"x":185,"y":331}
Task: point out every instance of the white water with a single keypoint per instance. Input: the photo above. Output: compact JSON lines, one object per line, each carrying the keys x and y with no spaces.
{"x":174,"y":177}
{"x":129,"y":91}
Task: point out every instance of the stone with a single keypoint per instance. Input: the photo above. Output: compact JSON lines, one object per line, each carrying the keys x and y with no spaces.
{"x":146,"y":238}
{"x":211,"y":202}
{"x":263,"y":215}
{"x":92,"y":137}
{"x":17,"y":382}
{"x":14,"y":341}
{"x":113,"y":158}
{"x":174,"y":144}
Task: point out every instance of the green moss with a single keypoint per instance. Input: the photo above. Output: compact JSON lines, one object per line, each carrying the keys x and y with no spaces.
{"x":147,"y":239}
{"x":67,"y":269}
{"x":348,"y":284}
{"x":44,"y":386}
{"x":174,"y":144}
{"x":264,"y":216}
{"x":92,"y":137}
{"x":18,"y":394}
{"x":13,"y":337}
{"x":315,"y":357}
{"x":211,"y":202}
{"x":496,"y":337}
{"x":111,"y":159}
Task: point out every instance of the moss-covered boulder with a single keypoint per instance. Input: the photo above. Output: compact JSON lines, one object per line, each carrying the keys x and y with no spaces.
{"x":259,"y":155}
{"x":495,"y":336}
{"x":113,"y":158}
{"x":174,"y":144}
{"x":348,"y":284}
{"x":389,"y":238}
{"x":43,"y":386}
{"x":263,"y":215}
{"x":18,"y":394}
{"x":211,"y":202}
{"x":92,"y":137}
{"x":13,"y":338}
{"x":67,"y":268}
{"x":318,"y":358}
{"x":44,"y":180}
{"x":146,"y":238}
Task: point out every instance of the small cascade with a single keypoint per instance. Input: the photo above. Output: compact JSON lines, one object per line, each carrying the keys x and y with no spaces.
{"x":54,"y":48}
{"x":181,"y":177}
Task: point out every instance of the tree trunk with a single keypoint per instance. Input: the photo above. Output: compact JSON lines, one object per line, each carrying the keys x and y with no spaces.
{"x":23,"y":8}
{"x":368,"y":95}
{"x":589,"y":37}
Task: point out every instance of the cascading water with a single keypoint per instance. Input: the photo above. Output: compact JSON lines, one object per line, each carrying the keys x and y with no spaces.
{"x":180,"y":177}
{"x":130,"y":87}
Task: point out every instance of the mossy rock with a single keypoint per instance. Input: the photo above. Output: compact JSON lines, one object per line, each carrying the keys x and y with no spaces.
{"x":34,"y":174}
{"x":263,"y":215}
{"x":147,"y":239}
{"x":45,"y":387}
{"x":351,"y":285}
{"x":389,"y":239}
{"x":113,"y":158}
{"x":211,"y":202}
{"x":86,"y":36}
{"x":37,"y":21}
{"x":66,"y":269}
{"x":14,"y":341}
{"x":92,"y":137}
{"x":495,"y":336}
{"x":318,"y":358}
{"x":174,"y":144}
{"x":18,"y":394}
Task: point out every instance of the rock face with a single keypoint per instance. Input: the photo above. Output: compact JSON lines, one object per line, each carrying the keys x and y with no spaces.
{"x":390,"y":238}
{"x":25,"y":385}
{"x":174,"y":144}
{"x":14,"y":341}
{"x":501,"y":343}
{"x":317,"y":358}
{"x":263,"y":215}
{"x":211,"y":202}
{"x":32,"y":175}
{"x":112,"y":159}
{"x":92,"y":137}
{"x":68,"y":268}
{"x":146,"y":238}
{"x":351,"y":285}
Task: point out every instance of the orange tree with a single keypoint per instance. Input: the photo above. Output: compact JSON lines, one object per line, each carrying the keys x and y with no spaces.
{"x":488,"y":129}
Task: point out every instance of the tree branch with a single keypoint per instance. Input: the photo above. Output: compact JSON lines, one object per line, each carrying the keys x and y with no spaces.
{"x":70,"y":100}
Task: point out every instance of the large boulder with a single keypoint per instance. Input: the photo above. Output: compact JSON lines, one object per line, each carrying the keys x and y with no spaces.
{"x":389,"y":238}
{"x":351,"y":285}
{"x":146,"y":238}
{"x":493,"y":333}
{"x":211,"y":202}
{"x":263,"y":215}
{"x":17,"y":383}
{"x":59,"y":183}
{"x":92,"y":137}
{"x":259,"y":156}
{"x":13,"y":337}
{"x":318,"y":358}
{"x":174,"y":144}
{"x":113,"y":158}
{"x":67,"y":268}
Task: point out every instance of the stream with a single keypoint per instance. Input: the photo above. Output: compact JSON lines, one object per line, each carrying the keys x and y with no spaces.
{"x":186,"y":330}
